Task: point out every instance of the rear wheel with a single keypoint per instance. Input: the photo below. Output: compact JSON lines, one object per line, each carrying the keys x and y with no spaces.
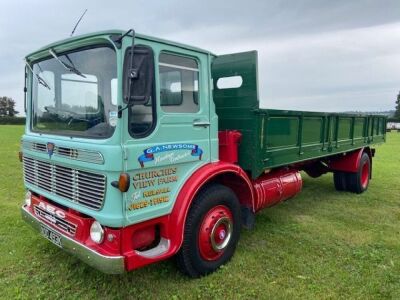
{"x":339,"y":179}
{"x":358,"y":182}
{"x":212,"y":231}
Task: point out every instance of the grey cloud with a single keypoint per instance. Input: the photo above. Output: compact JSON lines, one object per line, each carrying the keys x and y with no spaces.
{"x":315,"y":55}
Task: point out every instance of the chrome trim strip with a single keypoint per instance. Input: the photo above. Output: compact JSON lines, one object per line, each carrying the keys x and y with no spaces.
{"x":161,"y":248}
{"x":103,"y":263}
{"x":178,"y":67}
{"x":71,"y":153}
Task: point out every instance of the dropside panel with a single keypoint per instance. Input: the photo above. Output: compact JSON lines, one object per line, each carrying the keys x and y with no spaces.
{"x":295,"y":136}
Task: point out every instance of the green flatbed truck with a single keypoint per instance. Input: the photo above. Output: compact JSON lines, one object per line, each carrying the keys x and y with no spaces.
{"x":132,"y":157}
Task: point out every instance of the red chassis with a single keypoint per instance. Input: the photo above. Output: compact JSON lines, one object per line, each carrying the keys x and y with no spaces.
{"x":137,"y":245}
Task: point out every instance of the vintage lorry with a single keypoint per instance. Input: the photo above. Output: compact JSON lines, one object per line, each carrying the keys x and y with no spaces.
{"x":132,"y":157}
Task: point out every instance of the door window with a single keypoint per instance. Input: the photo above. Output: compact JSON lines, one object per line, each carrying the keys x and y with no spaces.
{"x":179,"y":83}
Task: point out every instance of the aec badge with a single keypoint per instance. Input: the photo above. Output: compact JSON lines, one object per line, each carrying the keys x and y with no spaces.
{"x":50,"y":149}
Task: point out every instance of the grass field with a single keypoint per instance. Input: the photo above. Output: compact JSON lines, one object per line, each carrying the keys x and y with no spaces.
{"x":322,"y":244}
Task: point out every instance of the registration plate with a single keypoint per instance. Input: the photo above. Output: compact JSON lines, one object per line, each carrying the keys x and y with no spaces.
{"x":51,"y":235}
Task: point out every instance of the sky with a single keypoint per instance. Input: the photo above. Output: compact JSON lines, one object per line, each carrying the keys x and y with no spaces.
{"x":315,"y":55}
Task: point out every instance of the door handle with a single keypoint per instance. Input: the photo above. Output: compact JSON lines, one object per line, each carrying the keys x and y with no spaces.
{"x":199,"y":123}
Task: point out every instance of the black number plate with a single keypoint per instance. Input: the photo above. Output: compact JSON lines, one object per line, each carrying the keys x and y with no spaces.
{"x":52,"y":236}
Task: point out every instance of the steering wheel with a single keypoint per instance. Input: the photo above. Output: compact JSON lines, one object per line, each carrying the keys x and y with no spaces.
{"x":64,"y":114}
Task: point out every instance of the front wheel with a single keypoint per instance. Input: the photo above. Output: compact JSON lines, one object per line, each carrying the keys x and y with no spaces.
{"x":212,"y":231}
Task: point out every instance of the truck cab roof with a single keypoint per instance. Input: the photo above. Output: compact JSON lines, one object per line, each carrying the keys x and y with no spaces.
{"x":33,"y":55}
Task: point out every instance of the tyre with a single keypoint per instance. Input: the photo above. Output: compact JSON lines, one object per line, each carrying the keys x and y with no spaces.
{"x":212,"y":231}
{"x":339,"y":179}
{"x":358,"y":182}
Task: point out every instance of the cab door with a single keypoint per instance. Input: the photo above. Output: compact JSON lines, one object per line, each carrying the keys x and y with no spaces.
{"x":160,"y":159}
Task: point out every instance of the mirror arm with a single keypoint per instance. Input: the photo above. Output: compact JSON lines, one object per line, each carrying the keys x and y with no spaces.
{"x":117,"y":39}
{"x":133,"y":74}
{"x":121,"y":109}
{"x":25,"y":90}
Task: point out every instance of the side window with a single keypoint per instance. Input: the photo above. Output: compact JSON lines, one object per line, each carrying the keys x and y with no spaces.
{"x":179,"y":83}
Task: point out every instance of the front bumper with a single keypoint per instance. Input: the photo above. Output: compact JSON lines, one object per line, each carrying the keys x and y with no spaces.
{"x":106,"y":264}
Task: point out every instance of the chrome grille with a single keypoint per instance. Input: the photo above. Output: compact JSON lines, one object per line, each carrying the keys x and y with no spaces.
{"x":72,"y":153}
{"x":78,"y":186}
{"x":64,"y":225}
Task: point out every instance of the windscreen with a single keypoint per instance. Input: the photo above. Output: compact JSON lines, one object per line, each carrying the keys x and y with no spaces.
{"x":79,"y":94}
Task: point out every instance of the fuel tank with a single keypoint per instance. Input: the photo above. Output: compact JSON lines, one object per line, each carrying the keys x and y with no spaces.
{"x":275,"y":187}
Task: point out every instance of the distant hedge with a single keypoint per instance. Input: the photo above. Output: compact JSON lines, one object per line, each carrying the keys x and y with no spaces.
{"x":393,"y":120}
{"x":12,"y":120}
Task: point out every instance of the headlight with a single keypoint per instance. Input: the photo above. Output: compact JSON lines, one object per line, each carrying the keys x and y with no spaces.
{"x":28,"y":197}
{"x":96,"y":232}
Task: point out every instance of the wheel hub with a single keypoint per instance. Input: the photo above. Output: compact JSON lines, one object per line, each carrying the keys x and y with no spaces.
{"x":221,"y":234}
{"x":215,"y":232}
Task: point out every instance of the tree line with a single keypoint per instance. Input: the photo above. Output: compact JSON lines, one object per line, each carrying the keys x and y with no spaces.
{"x":397,"y":111}
{"x":7,"y":107}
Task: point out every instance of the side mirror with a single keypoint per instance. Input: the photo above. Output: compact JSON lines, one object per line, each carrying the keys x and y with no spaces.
{"x":138,"y":75}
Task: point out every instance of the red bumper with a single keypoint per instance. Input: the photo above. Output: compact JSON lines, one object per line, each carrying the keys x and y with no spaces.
{"x":123,"y":249}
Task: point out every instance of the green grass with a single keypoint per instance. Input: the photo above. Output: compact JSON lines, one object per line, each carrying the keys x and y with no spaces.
{"x":322,"y":244}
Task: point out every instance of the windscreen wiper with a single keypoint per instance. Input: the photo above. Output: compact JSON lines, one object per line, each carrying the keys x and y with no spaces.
{"x":65,"y":65}
{"x":70,"y":61}
{"x":39,"y":79}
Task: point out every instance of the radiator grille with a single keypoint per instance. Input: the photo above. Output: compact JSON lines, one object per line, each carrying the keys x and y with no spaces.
{"x":62,"y":224}
{"x":78,"y":186}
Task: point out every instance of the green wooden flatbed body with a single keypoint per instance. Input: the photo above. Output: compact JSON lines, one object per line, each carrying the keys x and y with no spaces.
{"x":273,"y":138}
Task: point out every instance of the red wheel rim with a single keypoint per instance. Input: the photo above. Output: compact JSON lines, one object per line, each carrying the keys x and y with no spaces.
{"x":365,"y":175}
{"x":215,"y":232}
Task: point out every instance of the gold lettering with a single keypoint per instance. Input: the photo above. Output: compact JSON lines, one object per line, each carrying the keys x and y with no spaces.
{"x":168,"y":179}
{"x":154,"y":174}
{"x":138,"y":205}
{"x":156,"y":192}
{"x":144,"y":184}
{"x":159,"y":200}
